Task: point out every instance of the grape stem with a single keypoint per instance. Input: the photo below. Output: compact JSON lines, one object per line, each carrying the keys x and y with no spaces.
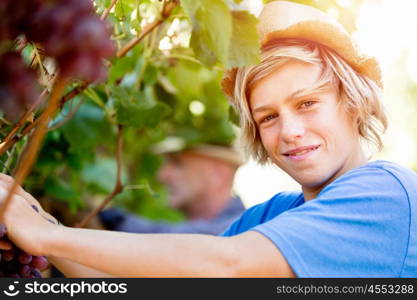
{"x":38,"y":59}
{"x":67,"y":117}
{"x":108,"y":9}
{"x":21,"y":44}
{"x":7,"y":142}
{"x":11,"y":138}
{"x":167,"y":8}
{"x":29,"y":154}
{"x":136,"y":40}
{"x":74,"y":92}
{"x":118,"y":187}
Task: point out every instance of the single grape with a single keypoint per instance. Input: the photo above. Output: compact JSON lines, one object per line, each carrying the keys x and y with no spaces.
{"x":82,"y":65}
{"x":24,"y":258}
{"x":39,"y":262}
{"x":18,"y":89}
{"x":25,"y":271}
{"x":8,"y":255}
{"x":35,"y":274}
{"x":88,"y":33}
{"x":108,"y":49}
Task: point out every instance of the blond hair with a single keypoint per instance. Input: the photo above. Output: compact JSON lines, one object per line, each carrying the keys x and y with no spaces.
{"x":358,"y":93}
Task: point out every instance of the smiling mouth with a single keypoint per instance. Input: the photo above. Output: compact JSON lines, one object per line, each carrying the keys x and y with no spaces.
{"x":301,"y":151}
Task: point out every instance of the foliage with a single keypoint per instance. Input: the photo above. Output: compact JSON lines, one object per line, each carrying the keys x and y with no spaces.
{"x":151,"y":92}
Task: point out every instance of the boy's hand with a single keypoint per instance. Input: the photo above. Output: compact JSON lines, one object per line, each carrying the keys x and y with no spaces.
{"x":28,"y":225}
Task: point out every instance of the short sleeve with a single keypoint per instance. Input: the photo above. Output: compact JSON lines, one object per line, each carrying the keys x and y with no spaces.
{"x":358,"y":226}
{"x":264,"y":212}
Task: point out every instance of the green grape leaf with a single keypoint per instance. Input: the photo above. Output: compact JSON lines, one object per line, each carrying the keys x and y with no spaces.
{"x":132,"y":62}
{"x":138,"y":109}
{"x":151,"y":74}
{"x":87,"y":128}
{"x":244,"y":46}
{"x":124,"y":8}
{"x":119,"y":68}
{"x":101,"y":174}
{"x":181,"y":76}
{"x":60,"y":190}
{"x":212,"y":29}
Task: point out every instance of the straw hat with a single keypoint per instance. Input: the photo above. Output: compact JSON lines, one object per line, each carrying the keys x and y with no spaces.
{"x":175,"y":144}
{"x":283,"y":20}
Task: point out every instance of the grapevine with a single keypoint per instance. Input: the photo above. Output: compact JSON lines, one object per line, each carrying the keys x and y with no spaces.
{"x":16,"y":263}
{"x":78,"y":49}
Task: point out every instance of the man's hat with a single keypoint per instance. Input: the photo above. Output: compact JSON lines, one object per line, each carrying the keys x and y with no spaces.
{"x":175,"y":144}
{"x":284,"y":20}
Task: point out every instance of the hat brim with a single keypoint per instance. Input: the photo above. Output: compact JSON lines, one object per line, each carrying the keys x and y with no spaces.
{"x":172,"y":145}
{"x":331,"y":37}
{"x":323,"y":32}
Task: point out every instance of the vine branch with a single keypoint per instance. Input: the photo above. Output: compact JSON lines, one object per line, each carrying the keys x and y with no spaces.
{"x":136,"y":40}
{"x":11,"y":139}
{"x":4,"y":146}
{"x":67,"y":117}
{"x":74,"y":92}
{"x":108,"y":9}
{"x":167,"y":8}
{"x":29,"y":154}
{"x":118,"y":187}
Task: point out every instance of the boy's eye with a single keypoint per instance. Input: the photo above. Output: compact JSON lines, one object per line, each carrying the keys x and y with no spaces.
{"x":268,"y":118}
{"x":307,"y":104}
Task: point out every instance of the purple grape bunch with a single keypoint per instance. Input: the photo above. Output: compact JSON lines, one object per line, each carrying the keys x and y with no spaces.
{"x":67,"y":30}
{"x":71,"y":32}
{"x":18,"y":89}
{"x":16,"y":263}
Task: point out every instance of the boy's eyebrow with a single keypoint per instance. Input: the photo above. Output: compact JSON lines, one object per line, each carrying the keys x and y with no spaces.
{"x":311,"y":90}
{"x":320,"y":86}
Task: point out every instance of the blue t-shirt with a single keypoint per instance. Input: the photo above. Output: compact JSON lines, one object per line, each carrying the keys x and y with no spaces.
{"x":363,"y":224}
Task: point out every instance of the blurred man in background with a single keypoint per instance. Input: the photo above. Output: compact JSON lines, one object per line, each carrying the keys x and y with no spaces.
{"x":199,"y":179}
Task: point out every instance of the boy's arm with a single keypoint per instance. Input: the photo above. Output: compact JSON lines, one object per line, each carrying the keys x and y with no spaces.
{"x":73,"y":270}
